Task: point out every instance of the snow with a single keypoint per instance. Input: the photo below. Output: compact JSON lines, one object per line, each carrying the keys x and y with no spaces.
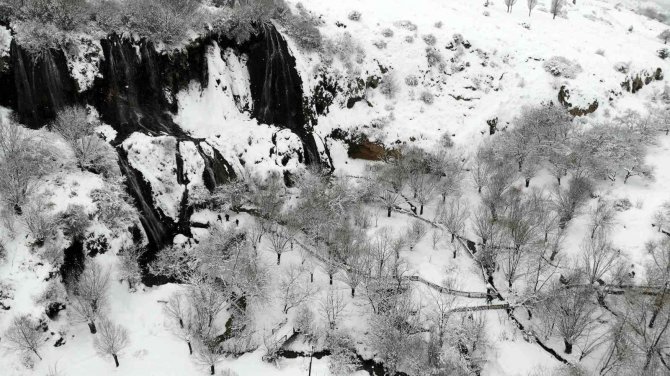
{"x":633,"y":227}
{"x":288,"y":145}
{"x":108,"y":133}
{"x":498,"y":74}
{"x":151,"y":343}
{"x":193,"y":164}
{"x":155,"y":158}
{"x":519,"y":358}
{"x":220,"y":113}
{"x":237,"y":80}
{"x":84,"y":63}
{"x":216,"y":107}
{"x":343,"y":165}
{"x":5,"y":41}
{"x":503,"y":71}
{"x":504,"y":63}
